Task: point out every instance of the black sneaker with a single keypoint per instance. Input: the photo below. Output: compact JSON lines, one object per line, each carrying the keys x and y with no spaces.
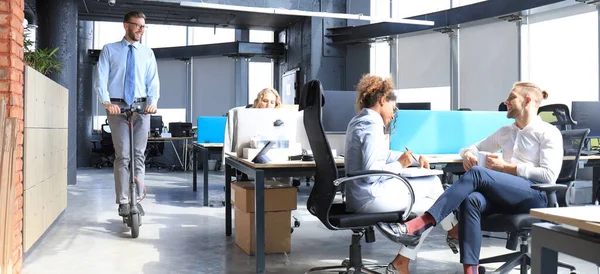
{"x":123,"y":210}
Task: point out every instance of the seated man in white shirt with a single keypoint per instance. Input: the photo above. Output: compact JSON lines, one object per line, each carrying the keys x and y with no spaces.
{"x":532,"y":152}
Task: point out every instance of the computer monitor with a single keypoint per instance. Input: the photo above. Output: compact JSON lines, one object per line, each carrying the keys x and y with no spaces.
{"x":156,"y":125}
{"x":339,"y":109}
{"x":414,"y":106}
{"x":586,"y":115}
{"x":259,"y":123}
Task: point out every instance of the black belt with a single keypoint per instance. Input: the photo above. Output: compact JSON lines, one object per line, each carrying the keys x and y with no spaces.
{"x":119,"y":100}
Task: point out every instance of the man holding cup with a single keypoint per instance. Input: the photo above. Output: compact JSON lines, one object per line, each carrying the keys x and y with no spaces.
{"x":532,"y":152}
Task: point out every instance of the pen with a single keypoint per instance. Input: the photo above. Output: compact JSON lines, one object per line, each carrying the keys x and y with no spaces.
{"x":413,"y":156}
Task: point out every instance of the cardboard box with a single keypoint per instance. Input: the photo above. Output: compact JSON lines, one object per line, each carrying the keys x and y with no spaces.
{"x":277,"y":232}
{"x":278,"y":196}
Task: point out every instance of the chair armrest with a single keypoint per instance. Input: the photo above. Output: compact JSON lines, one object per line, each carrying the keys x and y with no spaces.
{"x":549,"y":187}
{"x":380,"y":173}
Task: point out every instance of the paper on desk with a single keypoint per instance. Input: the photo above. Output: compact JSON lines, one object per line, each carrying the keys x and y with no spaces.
{"x":412,"y":172}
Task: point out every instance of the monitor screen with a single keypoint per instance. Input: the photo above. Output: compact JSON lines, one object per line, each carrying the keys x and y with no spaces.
{"x":586,"y":115}
{"x":339,"y":109}
{"x":414,"y":106}
{"x":156,"y":123}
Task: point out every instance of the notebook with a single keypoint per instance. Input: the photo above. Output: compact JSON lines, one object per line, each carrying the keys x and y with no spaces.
{"x":412,"y":172}
{"x":261,"y":157}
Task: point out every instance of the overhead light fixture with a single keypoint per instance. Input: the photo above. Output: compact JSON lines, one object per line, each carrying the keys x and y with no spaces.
{"x":304,"y":13}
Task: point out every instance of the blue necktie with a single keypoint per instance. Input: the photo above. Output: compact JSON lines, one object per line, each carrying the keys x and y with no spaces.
{"x":130,"y":77}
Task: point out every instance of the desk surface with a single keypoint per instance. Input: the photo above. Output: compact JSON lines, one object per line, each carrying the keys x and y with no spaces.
{"x":455,"y":158}
{"x":209,"y":145}
{"x":169,"y":138}
{"x":290,"y":164}
{"x":583,"y":217}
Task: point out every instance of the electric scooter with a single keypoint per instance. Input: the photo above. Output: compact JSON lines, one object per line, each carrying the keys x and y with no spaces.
{"x":134,"y":217}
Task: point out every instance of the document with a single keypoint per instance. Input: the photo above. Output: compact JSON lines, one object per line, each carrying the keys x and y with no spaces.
{"x":411,"y":172}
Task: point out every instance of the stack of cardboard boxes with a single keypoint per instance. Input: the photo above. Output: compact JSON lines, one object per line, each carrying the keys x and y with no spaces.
{"x":280,"y":200}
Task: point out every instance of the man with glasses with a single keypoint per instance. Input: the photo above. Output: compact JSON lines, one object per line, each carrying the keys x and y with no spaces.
{"x":126,"y":75}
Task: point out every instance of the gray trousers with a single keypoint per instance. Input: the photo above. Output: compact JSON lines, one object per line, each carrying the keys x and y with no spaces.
{"x":119,"y":128}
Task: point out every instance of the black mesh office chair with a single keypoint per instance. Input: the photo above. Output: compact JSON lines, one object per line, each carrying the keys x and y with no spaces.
{"x":327,"y":184}
{"x":518,"y":226}
{"x":106,"y":150}
{"x":558,"y":115}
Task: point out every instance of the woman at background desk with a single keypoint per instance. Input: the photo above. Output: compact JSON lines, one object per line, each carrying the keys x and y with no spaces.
{"x":367,"y":148}
{"x":266,"y":98}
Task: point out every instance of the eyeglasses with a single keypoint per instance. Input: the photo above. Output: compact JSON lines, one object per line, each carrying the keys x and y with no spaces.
{"x":137,"y":26}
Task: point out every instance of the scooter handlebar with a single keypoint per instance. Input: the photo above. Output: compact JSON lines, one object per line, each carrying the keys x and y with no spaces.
{"x":137,"y":109}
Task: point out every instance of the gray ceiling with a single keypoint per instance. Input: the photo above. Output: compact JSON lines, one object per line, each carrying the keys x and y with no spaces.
{"x":170,"y":12}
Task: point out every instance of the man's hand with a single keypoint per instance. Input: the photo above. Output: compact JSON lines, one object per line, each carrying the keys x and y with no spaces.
{"x":150,"y":109}
{"x":469,"y":160}
{"x":495,"y":162}
{"x":112,"y":108}
{"x":405,"y":159}
{"x":423,"y":162}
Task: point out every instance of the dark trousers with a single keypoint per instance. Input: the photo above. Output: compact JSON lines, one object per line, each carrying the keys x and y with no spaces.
{"x":482,"y":191}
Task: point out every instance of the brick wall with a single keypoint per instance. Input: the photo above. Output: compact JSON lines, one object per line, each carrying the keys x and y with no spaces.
{"x":11,"y":88}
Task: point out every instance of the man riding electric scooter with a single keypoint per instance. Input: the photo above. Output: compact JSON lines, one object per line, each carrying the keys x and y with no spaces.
{"x":127,"y":82}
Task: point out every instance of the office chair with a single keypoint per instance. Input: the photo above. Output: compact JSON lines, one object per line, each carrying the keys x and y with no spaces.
{"x":154,"y":150}
{"x":558,"y":115}
{"x":327,"y":183}
{"x":518,"y":226}
{"x":502,"y":107}
{"x":106,"y":151}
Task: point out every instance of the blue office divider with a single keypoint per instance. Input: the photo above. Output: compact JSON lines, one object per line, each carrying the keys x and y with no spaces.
{"x":443,"y":132}
{"x":211,"y":129}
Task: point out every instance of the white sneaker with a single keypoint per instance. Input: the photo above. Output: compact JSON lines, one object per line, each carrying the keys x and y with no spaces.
{"x":390,"y":269}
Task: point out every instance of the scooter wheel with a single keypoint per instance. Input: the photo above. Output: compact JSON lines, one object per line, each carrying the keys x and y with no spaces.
{"x":134,"y":220}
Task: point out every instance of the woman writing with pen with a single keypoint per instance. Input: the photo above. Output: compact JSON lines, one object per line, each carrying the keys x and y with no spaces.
{"x":367,"y":148}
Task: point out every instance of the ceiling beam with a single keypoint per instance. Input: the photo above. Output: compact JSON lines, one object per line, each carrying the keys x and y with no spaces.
{"x":446,"y":18}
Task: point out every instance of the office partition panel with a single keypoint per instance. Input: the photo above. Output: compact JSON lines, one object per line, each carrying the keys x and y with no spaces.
{"x":489,"y":64}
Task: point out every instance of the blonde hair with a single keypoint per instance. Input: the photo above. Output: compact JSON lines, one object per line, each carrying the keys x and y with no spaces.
{"x":262,"y":94}
{"x":371,"y":88}
{"x":533,"y":90}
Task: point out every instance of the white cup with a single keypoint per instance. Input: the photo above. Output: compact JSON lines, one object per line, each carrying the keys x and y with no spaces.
{"x":481,"y":158}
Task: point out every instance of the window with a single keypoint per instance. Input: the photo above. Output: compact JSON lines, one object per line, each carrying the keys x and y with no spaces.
{"x":439,"y":97}
{"x":262,"y":36}
{"x":409,"y":8}
{"x":107,"y":32}
{"x":380,"y":51}
{"x":561,"y":56}
{"x":210,"y":35}
{"x":162,"y":36}
{"x":260,"y":76}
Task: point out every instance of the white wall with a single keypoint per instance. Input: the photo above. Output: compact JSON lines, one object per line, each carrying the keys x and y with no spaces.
{"x":489,"y":64}
{"x":213,"y":86}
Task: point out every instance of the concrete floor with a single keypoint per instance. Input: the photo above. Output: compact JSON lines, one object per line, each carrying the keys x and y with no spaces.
{"x":179,"y":235}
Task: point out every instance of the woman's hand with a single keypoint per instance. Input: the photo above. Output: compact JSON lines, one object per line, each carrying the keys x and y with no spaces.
{"x":469,"y":160}
{"x":405,"y":159}
{"x":423,"y":162}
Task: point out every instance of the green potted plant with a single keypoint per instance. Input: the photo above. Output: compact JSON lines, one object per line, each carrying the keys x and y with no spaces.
{"x":43,"y":60}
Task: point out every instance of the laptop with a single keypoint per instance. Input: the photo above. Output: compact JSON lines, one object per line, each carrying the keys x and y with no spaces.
{"x":261,"y":157}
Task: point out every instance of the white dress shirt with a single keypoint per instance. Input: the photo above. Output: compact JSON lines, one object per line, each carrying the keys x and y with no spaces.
{"x":536,"y":150}
{"x":367,"y":148}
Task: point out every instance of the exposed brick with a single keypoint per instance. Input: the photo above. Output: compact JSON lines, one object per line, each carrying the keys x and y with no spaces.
{"x":15,"y":112}
{"x":4,"y":7}
{"x":20,"y":142}
{"x":16,"y":88}
{"x":19,"y":189}
{"x":5,"y":19}
{"x":4,"y":61}
{"x":17,"y":216}
{"x":19,"y":202}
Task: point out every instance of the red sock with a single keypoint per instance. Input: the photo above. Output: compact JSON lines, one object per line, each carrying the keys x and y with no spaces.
{"x":420,"y":224}
{"x":470,"y":269}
